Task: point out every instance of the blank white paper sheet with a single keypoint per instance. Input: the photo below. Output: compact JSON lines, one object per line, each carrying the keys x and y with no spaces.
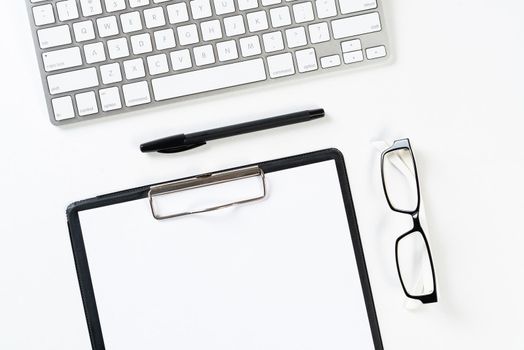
{"x":276,"y":274}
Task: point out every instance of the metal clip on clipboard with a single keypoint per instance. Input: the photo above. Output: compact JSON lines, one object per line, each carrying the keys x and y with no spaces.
{"x":206,"y":180}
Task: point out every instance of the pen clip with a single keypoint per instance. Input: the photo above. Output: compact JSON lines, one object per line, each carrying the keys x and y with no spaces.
{"x":181,"y":148}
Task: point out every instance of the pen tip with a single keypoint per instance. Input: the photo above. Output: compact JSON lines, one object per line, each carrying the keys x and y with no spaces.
{"x":317,"y":113}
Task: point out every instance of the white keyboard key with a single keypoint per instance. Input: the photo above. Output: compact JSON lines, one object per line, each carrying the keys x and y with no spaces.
{"x":177,"y":13}
{"x":43,"y":15}
{"x":209,"y":79}
{"x":117,"y":48}
{"x":62,"y":59}
{"x":257,"y":21}
{"x":273,"y":41}
{"x":376,"y":52}
{"x":94,"y":53}
{"x":111,"y":73}
{"x":181,"y":59}
{"x":67,"y":10}
{"x":200,"y":8}
{"x":270,"y":2}
{"x":280,"y":65}
{"x":319,"y":32}
{"x":63,"y":108}
{"x":234,"y":25}
{"x":211,"y":30}
{"x":250,"y":46}
{"x":131,"y":22}
{"x":86,"y":103}
{"x":351,"y":45}
{"x":84,"y":31}
{"x":110,"y":99}
{"x":165,"y":39}
{"x":187,"y":34}
{"x":136,"y":94}
{"x":353,"y":57}
{"x":91,"y":7}
{"x":115,"y":5}
{"x":141,"y":43}
{"x":72,"y":81}
{"x":157,"y":64}
{"x":296,"y":37}
{"x":280,"y":16}
{"x":54,"y":36}
{"x":138,"y":3}
{"x":303,"y":12}
{"x":107,"y":26}
{"x":204,"y":55}
{"x":330,"y":61}
{"x":349,"y":6}
{"x":154,"y":17}
{"x":134,"y":69}
{"x":224,"y":6}
{"x":306,"y":60}
{"x":357,"y":25}
{"x":247,"y":4}
{"x":326,"y":8}
{"x":227,"y":50}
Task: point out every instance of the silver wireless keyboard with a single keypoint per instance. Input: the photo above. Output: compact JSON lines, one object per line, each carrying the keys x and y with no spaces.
{"x":103,"y":57}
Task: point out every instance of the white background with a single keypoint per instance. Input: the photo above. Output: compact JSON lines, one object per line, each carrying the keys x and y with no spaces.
{"x":455,"y":89}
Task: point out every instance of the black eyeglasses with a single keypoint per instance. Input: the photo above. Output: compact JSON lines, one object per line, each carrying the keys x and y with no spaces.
{"x":412,"y":253}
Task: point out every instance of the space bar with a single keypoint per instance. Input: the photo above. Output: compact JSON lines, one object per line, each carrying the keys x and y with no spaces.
{"x":208,"y":79}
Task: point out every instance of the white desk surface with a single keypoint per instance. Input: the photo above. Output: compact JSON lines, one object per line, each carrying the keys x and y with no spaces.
{"x":455,"y":89}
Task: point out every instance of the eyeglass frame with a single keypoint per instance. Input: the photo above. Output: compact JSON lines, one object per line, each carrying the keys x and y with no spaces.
{"x":404,"y":144}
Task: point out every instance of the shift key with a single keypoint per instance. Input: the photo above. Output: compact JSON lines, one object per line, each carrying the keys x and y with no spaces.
{"x":72,"y":81}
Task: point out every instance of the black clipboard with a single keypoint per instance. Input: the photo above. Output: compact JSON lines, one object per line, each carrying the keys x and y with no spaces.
{"x":88,"y":292}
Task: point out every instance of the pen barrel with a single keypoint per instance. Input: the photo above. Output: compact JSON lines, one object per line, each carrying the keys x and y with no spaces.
{"x":258,"y":125}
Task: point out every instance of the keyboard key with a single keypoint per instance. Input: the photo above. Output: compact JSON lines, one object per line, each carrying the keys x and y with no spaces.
{"x":177,"y":13}
{"x":72,"y":81}
{"x":63,"y":108}
{"x":157,"y":64}
{"x":273,"y":41}
{"x":296,"y":37}
{"x":115,"y":5}
{"x":62,"y":59}
{"x":181,"y":59}
{"x":110,"y":99}
{"x":350,"y":6}
{"x":154,"y":17}
{"x":211,"y":30}
{"x":257,"y":21}
{"x":247,"y":4}
{"x":136,"y":94}
{"x":376,"y":52}
{"x":67,"y":10}
{"x":134,"y":69}
{"x":204,"y":55}
{"x":138,"y":3}
{"x":187,"y":34}
{"x":224,"y":6}
{"x":141,"y":43}
{"x":84,"y":31}
{"x":54,"y":36}
{"x":131,"y":22}
{"x":234,"y":25}
{"x":250,"y":46}
{"x":118,"y":48}
{"x":86,"y":103}
{"x":351,"y":45}
{"x":303,"y":12}
{"x":200,"y":8}
{"x":306,"y":60}
{"x":165,"y":39}
{"x":43,"y":15}
{"x":357,"y":25}
{"x":330,"y":61}
{"x":270,"y":2}
{"x":209,"y":79}
{"x":107,"y":26}
{"x":326,"y":8}
{"x":280,"y":65}
{"x":227,"y":51}
{"x":94,"y":53}
{"x":353,"y":57}
{"x":319,"y":32}
{"x":91,"y":7}
{"x":111,"y":73}
{"x":280,"y":16}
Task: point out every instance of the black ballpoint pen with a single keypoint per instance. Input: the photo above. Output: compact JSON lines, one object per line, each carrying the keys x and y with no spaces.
{"x":183,"y":142}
